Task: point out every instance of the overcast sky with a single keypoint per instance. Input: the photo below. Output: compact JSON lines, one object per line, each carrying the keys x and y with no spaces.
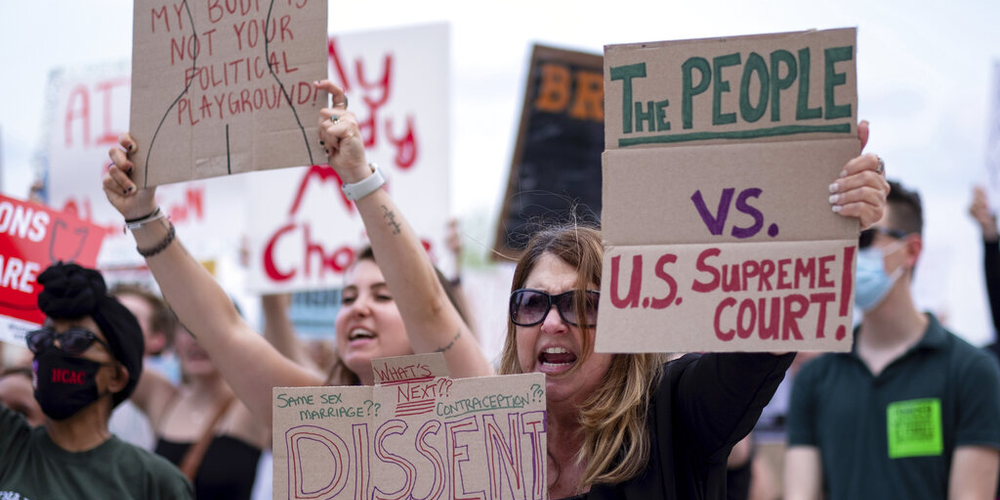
{"x":924,"y":78}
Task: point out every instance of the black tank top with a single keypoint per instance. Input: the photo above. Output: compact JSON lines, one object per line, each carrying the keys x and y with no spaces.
{"x":227,"y":471}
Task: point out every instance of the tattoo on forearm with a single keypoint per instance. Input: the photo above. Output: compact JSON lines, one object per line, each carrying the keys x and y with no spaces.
{"x":391,"y":217}
{"x":450,"y":344}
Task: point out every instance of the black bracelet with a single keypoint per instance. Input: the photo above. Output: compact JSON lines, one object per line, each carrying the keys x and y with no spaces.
{"x":161,"y":246}
{"x":137,"y":219}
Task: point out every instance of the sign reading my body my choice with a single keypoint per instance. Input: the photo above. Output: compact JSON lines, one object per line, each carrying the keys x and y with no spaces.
{"x":719,"y":155}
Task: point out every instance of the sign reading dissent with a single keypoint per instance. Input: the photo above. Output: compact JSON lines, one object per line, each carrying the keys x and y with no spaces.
{"x":222,"y":87}
{"x":416,"y":434}
{"x":719,"y":154}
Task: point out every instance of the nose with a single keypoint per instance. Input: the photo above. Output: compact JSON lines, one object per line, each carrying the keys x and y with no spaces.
{"x":361,"y":307}
{"x":553,"y":322}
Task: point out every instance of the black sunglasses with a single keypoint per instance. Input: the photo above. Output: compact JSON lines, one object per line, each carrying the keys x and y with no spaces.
{"x":868,"y":235}
{"x":530,"y":307}
{"x":72,"y":341}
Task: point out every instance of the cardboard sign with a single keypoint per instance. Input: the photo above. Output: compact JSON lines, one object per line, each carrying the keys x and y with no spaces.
{"x":304,"y":234}
{"x":718,"y":231}
{"x":416,"y":434}
{"x":223,"y":87}
{"x":33,"y":237}
{"x":88,"y":109}
{"x":556,"y":167}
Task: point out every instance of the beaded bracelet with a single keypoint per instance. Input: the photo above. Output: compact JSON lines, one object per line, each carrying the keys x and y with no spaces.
{"x":161,"y":246}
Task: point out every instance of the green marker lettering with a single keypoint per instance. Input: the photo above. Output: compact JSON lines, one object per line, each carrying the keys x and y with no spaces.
{"x":777,"y":82}
{"x":803,"y":111}
{"x":718,"y":117}
{"x":755,"y":64}
{"x":833,"y":56}
{"x":661,"y":115}
{"x":648,"y":117}
{"x":626,"y":74}
{"x":688,"y":91}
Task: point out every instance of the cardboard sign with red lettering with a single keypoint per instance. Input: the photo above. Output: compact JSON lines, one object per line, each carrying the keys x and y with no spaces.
{"x":416,"y":434}
{"x":221,"y":87}
{"x":303,"y":232}
{"x":33,"y":237}
{"x":718,"y":231}
{"x":88,"y":108}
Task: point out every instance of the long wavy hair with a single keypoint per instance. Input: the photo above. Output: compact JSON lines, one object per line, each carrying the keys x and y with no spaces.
{"x":616,"y":442}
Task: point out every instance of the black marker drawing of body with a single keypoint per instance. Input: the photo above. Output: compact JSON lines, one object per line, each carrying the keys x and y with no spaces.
{"x":194,"y":68}
{"x":281,"y":85}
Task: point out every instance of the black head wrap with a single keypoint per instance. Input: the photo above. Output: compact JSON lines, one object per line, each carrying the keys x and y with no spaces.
{"x":72,"y":292}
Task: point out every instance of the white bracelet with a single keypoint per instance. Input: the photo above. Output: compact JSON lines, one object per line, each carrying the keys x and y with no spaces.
{"x":366,"y":186}
{"x":133,"y":224}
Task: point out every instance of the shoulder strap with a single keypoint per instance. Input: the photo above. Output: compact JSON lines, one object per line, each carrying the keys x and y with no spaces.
{"x":196,"y":453}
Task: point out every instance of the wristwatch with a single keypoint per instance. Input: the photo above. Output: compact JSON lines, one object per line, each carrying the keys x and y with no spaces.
{"x":364,"y":187}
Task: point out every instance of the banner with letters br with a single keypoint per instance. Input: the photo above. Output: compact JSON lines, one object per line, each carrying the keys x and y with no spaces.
{"x":416,"y":434}
{"x":33,"y":237}
{"x":718,"y":231}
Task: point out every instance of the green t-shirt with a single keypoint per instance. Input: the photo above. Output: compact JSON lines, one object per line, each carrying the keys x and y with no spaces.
{"x":893,"y":435}
{"x":32,"y":467}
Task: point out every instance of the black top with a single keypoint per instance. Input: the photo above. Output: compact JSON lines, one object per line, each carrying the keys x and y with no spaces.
{"x":703,"y":406}
{"x":991,"y":268}
{"x":227,"y":471}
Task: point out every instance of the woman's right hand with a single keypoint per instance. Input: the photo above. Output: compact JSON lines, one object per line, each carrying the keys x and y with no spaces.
{"x":131,"y":201}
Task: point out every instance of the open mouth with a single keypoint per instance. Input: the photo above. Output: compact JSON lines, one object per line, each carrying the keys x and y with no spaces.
{"x":360,"y":334}
{"x":556,"y":359}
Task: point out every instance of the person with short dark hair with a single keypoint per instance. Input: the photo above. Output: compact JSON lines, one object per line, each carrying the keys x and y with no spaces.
{"x":913,"y":410}
{"x":87,"y":360}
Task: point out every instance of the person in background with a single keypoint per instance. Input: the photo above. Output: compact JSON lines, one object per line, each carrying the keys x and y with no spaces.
{"x":913,"y":410}
{"x":87,"y":360}
{"x":16,"y":393}
{"x":128,"y":422}
{"x":987,"y":220}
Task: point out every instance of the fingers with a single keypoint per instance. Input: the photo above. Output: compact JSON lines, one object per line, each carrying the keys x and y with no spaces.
{"x":125,"y":140}
{"x":860,"y":191}
{"x":117,"y":181}
{"x":337,"y":95}
{"x":863,"y":133}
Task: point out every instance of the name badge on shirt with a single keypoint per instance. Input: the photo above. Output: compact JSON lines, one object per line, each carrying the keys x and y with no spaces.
{"x":914,"y":428}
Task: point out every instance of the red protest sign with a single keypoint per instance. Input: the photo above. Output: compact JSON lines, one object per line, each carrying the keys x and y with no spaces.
{"x":32,"y":237}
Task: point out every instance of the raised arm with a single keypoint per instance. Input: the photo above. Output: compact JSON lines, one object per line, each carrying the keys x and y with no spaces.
{"x":280,"y":332}
{"x":247,"y":362}
{"x":432,"y":323}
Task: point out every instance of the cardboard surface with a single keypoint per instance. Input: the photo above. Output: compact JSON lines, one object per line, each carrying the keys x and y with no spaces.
{"x":303,"y":232}
{"x":718,"y":231}
{"x":419,"y":433}
{"x":33,"y":237}
{"x":220,"y":88}
{"x":556,"y":167}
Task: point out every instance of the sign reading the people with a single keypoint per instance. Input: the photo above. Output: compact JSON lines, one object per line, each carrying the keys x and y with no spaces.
{"x":225,"y":86}
{"x":718,"y":161}
{"x":416,"y":434}
{"x":33,"y":237}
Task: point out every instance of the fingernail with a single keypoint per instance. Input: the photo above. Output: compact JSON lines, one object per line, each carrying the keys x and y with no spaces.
{"x":129,"y":190}
{"x":843,"y":173}
{"x":834,"y":198}
{"x":834,"y":188}
{"x":836,"y":208}
{"x":124,"y":191}
{"x":131,"y":147}
{"x":321,"y":143}
{"x":327,"y":151}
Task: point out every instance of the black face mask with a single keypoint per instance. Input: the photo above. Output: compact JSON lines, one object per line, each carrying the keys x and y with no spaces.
{"x":66,"y":384}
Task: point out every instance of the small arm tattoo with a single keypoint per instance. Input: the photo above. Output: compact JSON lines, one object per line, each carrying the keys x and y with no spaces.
{"x":391,"y":217}
{"x":450,"y":344}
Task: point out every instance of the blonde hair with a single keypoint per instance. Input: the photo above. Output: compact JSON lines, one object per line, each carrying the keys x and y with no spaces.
{"x":616,"y":442}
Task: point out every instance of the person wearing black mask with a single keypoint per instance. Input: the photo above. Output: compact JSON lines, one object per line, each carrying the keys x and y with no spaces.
{"x":88,"y":357}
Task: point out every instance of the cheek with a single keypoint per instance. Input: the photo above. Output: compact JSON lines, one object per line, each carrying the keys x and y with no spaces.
{"x":525,"y":343}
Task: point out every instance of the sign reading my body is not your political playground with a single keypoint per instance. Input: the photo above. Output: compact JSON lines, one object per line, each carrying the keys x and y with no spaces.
{"x":719,"y":154}
{"x":225,"y":86}
{"x":416,"y":434}
{"x":32,"y":237}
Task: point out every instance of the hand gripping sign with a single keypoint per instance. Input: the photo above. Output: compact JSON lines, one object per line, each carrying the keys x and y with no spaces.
{"x":416,"y":434}
{"x":32,"y":237}
{"x":719,"y":154}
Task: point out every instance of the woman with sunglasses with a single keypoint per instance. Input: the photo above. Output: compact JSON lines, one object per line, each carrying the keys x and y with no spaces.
{"x":87,"y":360}
{"x":379,"y":316}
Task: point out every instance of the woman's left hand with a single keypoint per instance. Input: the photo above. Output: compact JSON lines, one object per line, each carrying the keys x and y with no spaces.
{"x":861,"y":189}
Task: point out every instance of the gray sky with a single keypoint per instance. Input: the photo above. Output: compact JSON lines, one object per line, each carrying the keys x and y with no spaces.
{"x":924,"y":76}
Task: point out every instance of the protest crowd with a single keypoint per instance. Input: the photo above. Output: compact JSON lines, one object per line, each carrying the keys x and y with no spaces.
{"x":133,"y":391}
